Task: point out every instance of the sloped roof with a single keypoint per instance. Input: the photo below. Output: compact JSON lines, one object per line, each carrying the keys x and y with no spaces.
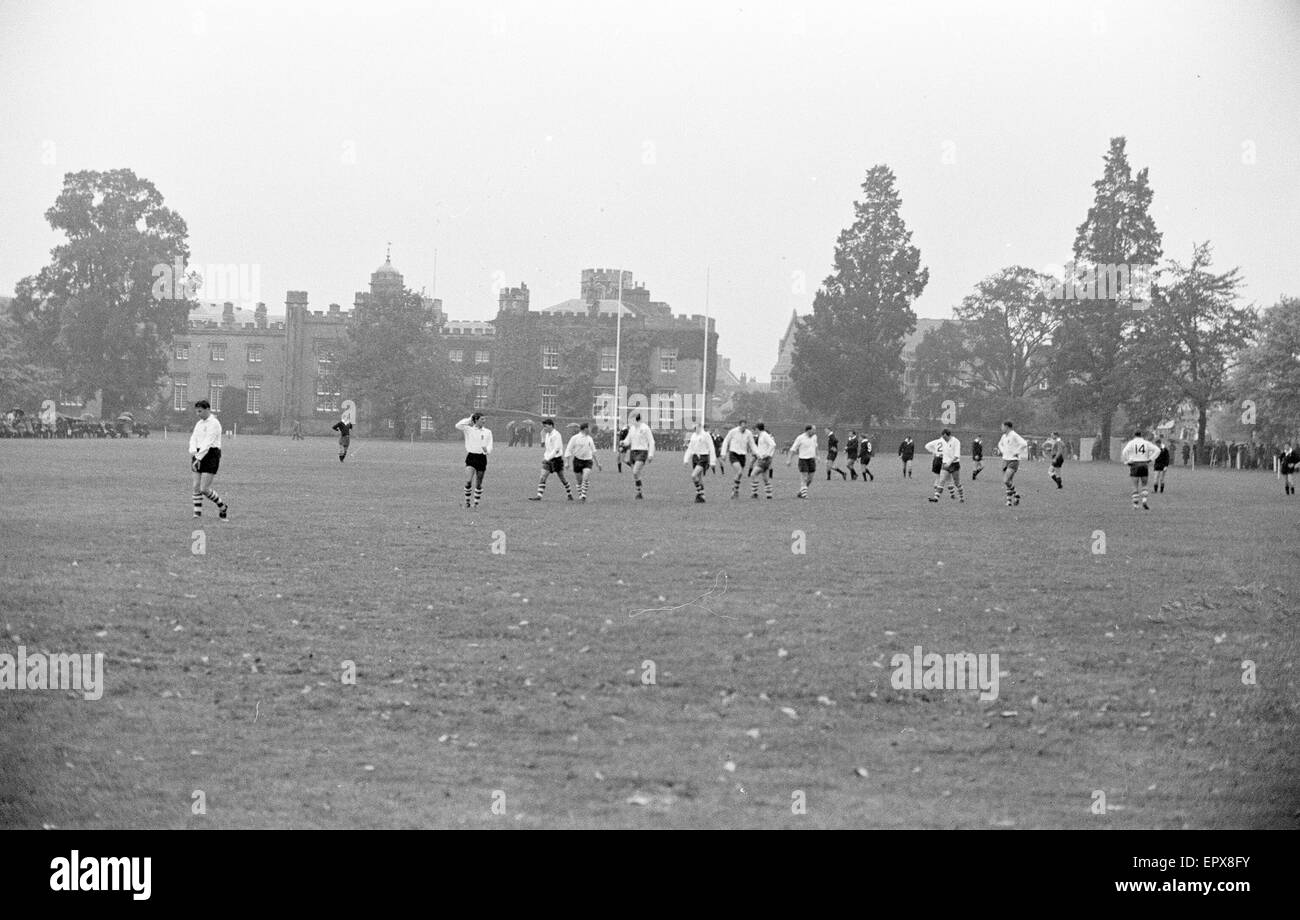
{"x":578,"y":305}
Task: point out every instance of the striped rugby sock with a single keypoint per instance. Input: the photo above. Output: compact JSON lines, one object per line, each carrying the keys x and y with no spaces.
{"x":198,"y":504}
{"x":216,"y":499}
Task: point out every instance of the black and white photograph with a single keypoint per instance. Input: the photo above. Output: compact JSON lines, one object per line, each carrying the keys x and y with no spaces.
{"x":573,"y":415}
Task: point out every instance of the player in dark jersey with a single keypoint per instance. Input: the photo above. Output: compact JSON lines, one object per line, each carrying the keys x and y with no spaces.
{"x":832,"y":452}
{"x":1289,"y":462}
{"x":906,"y":451}
{"x":851,"y":452}
{"x":865,"y":452}
{"x":977,"y":457}
{"x":1160,"y":464}
{"x":345,"y":437}
{"x":620,"y":447}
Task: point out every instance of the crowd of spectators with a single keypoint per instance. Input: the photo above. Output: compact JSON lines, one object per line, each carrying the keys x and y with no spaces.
{"x":16,"y":423}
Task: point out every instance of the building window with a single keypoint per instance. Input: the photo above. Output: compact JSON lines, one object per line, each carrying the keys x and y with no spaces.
{"x":253,"y":386}
{"x":607,"y":358}
{"x":256,"y":353}
{"x":218,"y":354}
{"x":216,"y":384}
{"x":549,"y":395}
{"x":909,"y":377}
{"x":391,"y":424}
{"x":182,"y":351}
{"x":426,"y":423}
{"x":481,"y":382}
{"x":327,"y":394}
{"x":1042,"y":384}
{"x":180,"y":393}
{"x":324,"y":362}
{"x":664,"y":406}
{"x":668,"y":360}
{"x":550,"y":357}
{"x":480,"y":357}
{"x":456,"y":355}
{"x":69,"y":399}
{"x":602,"y":404}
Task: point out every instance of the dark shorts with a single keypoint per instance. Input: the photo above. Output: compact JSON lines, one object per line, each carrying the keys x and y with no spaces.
{"x":554,"y":465}
{"x":865,"y":458}
{"x":954,"y":467}
{"x":1011,"y":465}
{"x":733,"y":457}
{"x":580,"y":465}
{"x":1286,"y":469}
{"x":936,"y":465}
{"x":1160,"y":467}
{"x":1137,"y":470}
{"x":807,"y":465}
{"x":211,"y":461}
{"x":640,"y":456}
{"x":477,"y":461}
{"x":1058,"y":462}
{"x":344,"y":440}
{"x":852,"y":455}
{"x":698,"y":460}
{"x":761,"y":464}
{"x":831,"y":455}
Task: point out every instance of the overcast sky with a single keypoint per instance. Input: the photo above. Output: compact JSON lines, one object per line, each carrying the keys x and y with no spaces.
{"x":525,"y":142}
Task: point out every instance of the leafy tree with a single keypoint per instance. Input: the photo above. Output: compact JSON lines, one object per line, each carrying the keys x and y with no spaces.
{"x":848,"y":353}
{"x":1092,"y":370}
{"x":393,"y":359}
{"x":771,"y":407}
{"x":24,"y":384}
{"x":93,"y":312}
{"x":1187,"y":342}
{"x":1268,"y":372}
{"x":991,"y":359}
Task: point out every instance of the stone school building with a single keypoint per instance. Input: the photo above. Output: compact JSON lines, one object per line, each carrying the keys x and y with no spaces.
{"x":557,"y":361}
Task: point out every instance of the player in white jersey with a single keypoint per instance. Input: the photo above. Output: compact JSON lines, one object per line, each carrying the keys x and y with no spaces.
{"x":1009,"y":447}
{"x":737,"y":448}
{"x":1138,"y":454}
{"x":552,"y":460}
{"x":640,"y":443}
{"x":205,"y":459}
{"x":478,"y":444}
{"x":582,"y":449}
{"x":805,"y":446}
{"x":947,"y":450}
{"x":701,"y":456}
{"x":764,"y":451}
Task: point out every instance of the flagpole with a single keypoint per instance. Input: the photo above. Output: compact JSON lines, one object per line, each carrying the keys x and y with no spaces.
{"x":704,"y":378}
{"x":618,"y":353}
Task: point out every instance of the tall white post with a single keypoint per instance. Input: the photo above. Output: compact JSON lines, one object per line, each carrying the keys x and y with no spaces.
{"x":618,"y":353}
{"x":704,"y":378}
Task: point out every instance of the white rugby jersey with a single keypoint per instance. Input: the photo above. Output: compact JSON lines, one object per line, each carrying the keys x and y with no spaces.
{"x":639,"y":437}
{"x":949,"y":450}
{"x":805,"y":445}
{"x":1138,"y":450}
{"x":700,"y":443}
{"x":581,"y":447}
{"x":552,"y":445}
{"x":738,"y":441}
{"x":1010,"y":445}
{"x":207,"y":434}
{"x":477,"y":440}
{"x":764,"y":445}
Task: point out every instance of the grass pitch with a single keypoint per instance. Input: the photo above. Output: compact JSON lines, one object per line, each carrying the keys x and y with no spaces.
{"x":510,"y":688}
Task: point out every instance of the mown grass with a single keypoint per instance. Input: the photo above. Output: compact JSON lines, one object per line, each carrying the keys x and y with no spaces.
{"x":521,"y":671}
